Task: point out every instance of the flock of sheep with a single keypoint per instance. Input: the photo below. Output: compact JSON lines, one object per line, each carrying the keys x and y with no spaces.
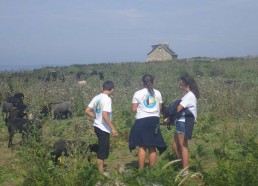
{"x":14,"y":113}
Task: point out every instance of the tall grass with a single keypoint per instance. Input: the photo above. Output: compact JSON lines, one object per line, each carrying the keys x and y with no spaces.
{"x":224,"y":146}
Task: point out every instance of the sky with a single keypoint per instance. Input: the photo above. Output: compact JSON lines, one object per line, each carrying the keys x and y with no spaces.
{"x":65,"y":32}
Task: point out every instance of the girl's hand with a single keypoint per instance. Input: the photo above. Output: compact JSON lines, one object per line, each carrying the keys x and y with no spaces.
{"x":166,"y":120}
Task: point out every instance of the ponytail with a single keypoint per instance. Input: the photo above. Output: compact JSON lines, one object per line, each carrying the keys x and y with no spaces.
{"x":148,"y":83}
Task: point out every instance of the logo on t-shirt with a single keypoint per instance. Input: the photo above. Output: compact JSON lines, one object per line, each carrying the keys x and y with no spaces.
{"x":149,"y":101}
{"x":97,"y":107}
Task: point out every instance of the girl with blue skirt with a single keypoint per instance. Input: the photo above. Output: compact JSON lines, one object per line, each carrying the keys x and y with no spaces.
{"x":145,"y":133}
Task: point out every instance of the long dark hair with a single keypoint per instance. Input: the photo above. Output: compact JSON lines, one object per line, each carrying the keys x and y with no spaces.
{"x":147,"y":80}
{"x":189,"y":81}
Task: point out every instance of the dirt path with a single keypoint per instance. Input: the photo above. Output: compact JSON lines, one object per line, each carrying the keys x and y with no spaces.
{"x":123,"y":158}
{"x":7,"y":155}
{"x":7,"y":165}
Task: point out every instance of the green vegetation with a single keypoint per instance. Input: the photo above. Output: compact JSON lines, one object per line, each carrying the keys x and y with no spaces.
{"x":223,"y":149}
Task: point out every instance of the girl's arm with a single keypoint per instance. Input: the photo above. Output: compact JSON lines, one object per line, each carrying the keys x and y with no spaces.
{"x":134,"y":107}
{"x":180,"y":108}
{"x":160,"y":106}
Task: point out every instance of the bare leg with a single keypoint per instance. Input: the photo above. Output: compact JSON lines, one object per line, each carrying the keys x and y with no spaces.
{"x":100,"y":165}
{"x":176,"y":147}
{"x":184,"y":149}
{"x":141,"y":156}
{"x":152,"y":156}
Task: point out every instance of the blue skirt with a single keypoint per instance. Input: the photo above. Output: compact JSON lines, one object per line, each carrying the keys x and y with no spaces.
{"x":146,"y":132}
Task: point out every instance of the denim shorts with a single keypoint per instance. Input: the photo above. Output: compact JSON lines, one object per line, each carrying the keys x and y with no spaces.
{"x":180,"y":127}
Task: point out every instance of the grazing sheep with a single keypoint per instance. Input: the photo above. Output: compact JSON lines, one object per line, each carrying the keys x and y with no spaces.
{"x":6,"y":108}
{"x":101,"y":76}
{"x":23,"y":126}
{"x":79,"y":74}
{"x":82,"y":83}
{"x":14,"y":100}
{"x":19,"y":95}
{"x":22,"y":110}
{"x":62,"y":109}
{"x":13,"y":113}
{"x":17,"y":124}
{"x":17,"y":112}
{"x":45,"y":110}
{"x":65,"y":147}
{"x":94,"y":72}
{"x":230,"y":82}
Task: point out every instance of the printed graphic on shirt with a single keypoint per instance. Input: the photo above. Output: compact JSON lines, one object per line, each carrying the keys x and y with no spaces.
{"x":97,"y":107}
{"x":149,"y":101}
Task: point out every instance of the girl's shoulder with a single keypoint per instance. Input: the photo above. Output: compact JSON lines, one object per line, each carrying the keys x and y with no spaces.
{"x":157,"y":91}
{"x":190,"y":95}
{"x":141,"y":91}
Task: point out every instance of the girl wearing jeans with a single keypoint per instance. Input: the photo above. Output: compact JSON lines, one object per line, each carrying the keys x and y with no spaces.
{"x":184,"y":128}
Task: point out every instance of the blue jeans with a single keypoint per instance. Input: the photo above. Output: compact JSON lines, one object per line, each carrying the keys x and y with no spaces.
{"x":180,"y":127}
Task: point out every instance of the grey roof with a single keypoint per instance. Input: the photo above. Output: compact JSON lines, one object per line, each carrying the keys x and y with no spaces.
{"x":165,"y":47}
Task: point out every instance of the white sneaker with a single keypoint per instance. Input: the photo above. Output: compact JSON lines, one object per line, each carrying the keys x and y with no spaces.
{"x":106,"y":175}
{"x":185,"y":173}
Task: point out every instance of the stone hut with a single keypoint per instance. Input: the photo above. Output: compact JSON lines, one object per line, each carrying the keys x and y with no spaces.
{"x":161,"y":52}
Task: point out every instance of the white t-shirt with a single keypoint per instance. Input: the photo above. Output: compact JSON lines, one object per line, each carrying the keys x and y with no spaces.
{"x":99,"y":104}
{"x":189,"y":101}
{"x":148,"y":105}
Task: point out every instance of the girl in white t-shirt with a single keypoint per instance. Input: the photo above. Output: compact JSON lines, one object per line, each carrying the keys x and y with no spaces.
{"x":189,"y":102}
{"x":145,"y":133}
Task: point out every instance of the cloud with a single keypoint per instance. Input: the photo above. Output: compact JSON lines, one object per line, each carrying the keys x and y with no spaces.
{"x":130,"y":13}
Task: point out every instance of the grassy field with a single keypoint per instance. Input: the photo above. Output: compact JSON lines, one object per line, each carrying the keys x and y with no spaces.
{"x":224,"y":148}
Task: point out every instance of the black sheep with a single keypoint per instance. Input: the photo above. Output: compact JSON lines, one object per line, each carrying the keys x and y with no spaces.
{"x":94,"y":72}
{"x":44,"y":110}
{"x":6,"y":108}
{"x":23,"y":126}
{"x":17,"y":124}
{"x":19,"y":95}
{"x":101,"y":76}
{"x":65,"y":147}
